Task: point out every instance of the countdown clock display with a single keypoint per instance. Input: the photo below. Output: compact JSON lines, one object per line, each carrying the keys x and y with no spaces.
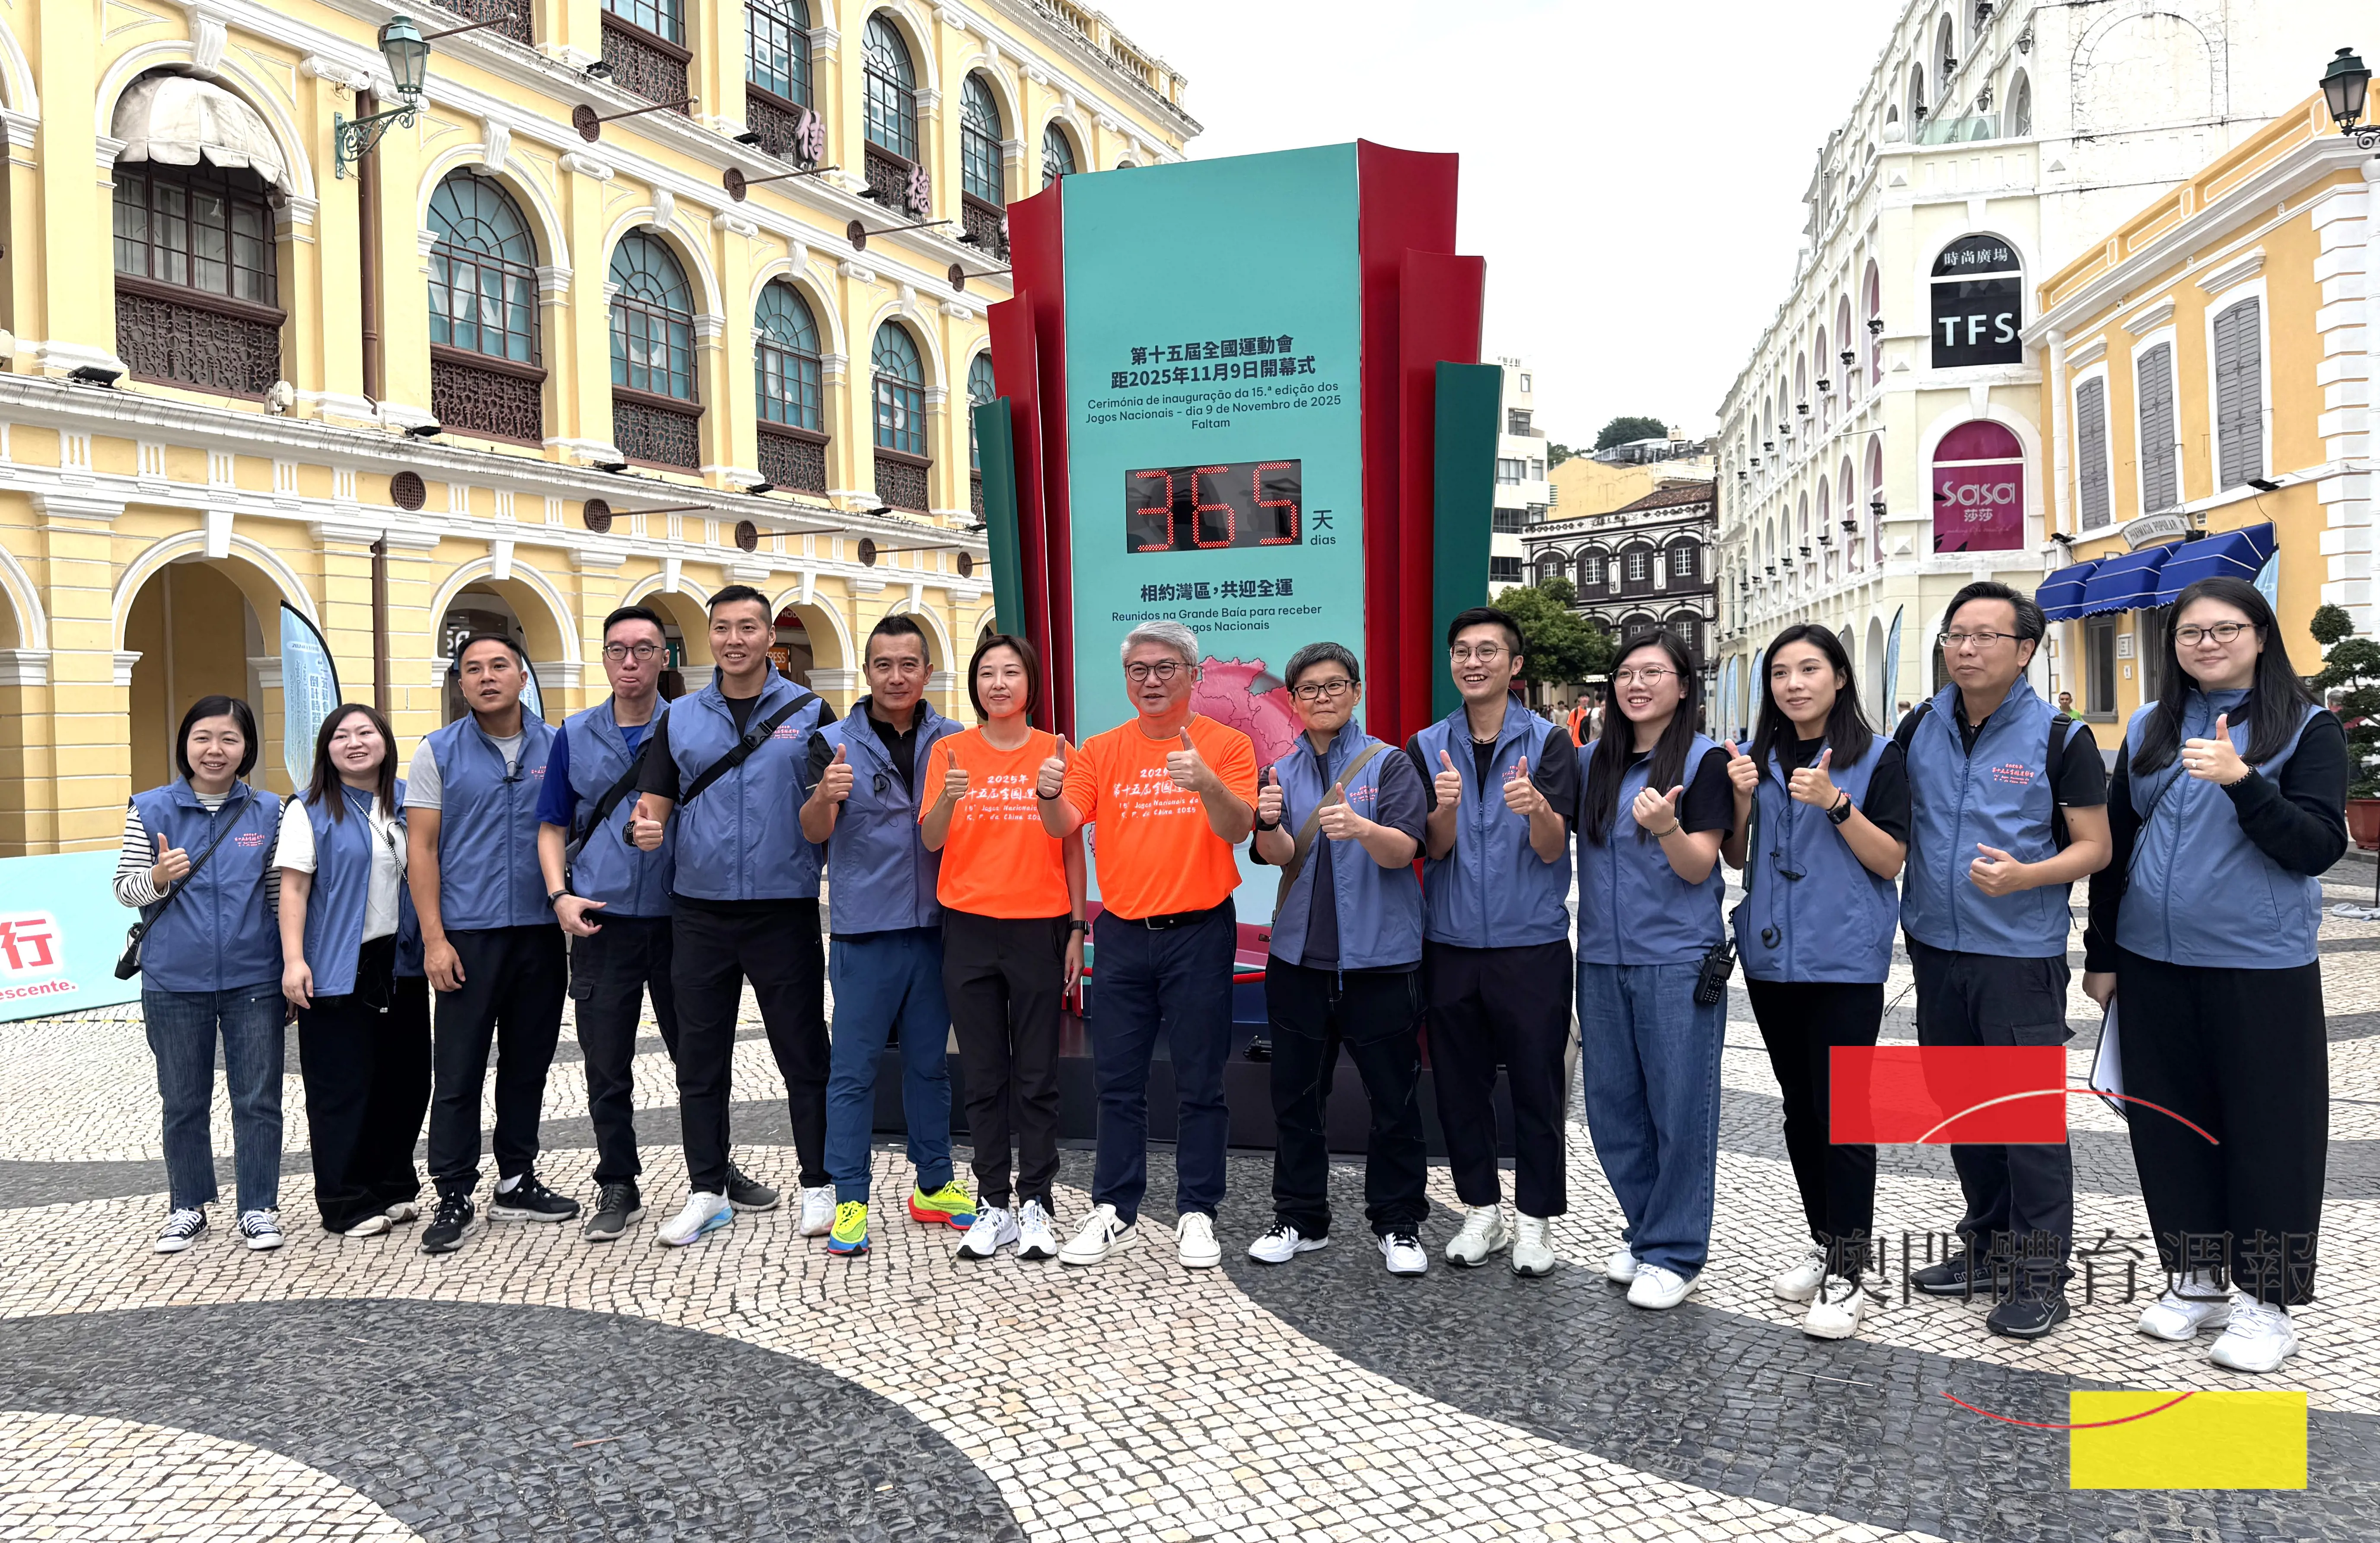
{"x":1211,"y":508}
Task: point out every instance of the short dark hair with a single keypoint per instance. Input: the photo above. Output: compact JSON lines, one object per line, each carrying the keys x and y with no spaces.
{"x":897,"y":626}
{"x":737,"y":592}
{"x":1312,"y":654}
{"x":238,"y":711}
{"x":1484,"y":616}
{"x":1025,"y":655}
{"x":634,"y":614}
{"x":2030,"y":624}
{"x":474,"y":639}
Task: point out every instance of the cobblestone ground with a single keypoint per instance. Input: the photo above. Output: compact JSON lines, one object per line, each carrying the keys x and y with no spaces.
{"x":536,"y":1386}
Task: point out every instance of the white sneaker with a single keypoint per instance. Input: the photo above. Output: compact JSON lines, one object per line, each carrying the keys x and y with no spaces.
{"x":1801,"y":1282}
{"x":181,"y":1230}
{"x":1482,"y":1233}
{"x":704,"y":1213}
{"x":818,"y":1211}
{"x":1193,"y":1241}
{"x":2180,"y":1317}
{"x":1036,"y":1237}
{"x":2260,"y":1338}
{"x":1403,"y":1253}
{"x":994,"y":1229}
{"x":371,"y":1226}
{"x":404,"y":1211}
{"x":1533,"y":1245}
{"x":1658,"y":1288}
{"x":1283,"y":1243}
{"x":1619,"y":1266}
{"x":260,"y":1229}
{"x":1102,"y":1234}
{"x":1835,"y":1309}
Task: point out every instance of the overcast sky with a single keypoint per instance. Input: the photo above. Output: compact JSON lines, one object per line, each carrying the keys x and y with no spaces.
{"x":1632,"y":173}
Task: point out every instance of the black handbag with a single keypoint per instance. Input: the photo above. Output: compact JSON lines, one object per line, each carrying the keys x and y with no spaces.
{"x":127,"y":964}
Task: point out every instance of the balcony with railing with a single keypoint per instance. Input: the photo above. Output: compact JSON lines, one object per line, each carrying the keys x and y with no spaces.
{"x":787,"y":131}
{"x":476,"y":394}
{"x":901,"y":479}
{"x":793,"y":458}
{"x":511,"y":16}
{"x":648,"y":65}
{"x":656,"y":431}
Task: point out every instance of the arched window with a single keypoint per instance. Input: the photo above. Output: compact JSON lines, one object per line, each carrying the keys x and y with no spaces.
{"x":1916,"y":100}
{"x":1685,"y":562}
{"x":484,"y":377}
{"x":980,"y":137}
{"x":900,"y":419}
{"x":787,"y":386}
{"x":652,"y":355}
{"x":1850,"y":510}
{"x":1057,"y":154}
{"x":1875,"y":512}
{"x":1551,"y":565}
{"x":1978,"y":311}
{"x":1845,"y":357}
{"x":777,"y":48}
{"x":1826,"y":375}
{"x":891,"y":91}
{"x":1591,"y":567}
{"x":2020,"y":107}
{"x":981,"y":390}
{"x":1946,"y":55}
{"x":1874,"y":291}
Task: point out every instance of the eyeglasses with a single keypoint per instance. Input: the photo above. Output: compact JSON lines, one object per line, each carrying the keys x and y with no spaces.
{"x":644,"y":653}
{"x":1486,"y":653}
{"x":1315,"y":691}
{"x":2221,"y":632}
{"x":1954,"y":641}
{"x":1643,"y":677}
{"x":1159,"y":672}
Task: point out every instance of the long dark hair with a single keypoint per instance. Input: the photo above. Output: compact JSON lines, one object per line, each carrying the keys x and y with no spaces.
{"x":1616,"y":746}
{"x":238,"y":711}
{"x":326,"y":789}
{"x":1847,"y":726}
{"x":2277,"y":700}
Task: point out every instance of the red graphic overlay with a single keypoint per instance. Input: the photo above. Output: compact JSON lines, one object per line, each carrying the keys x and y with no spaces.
{"x":1893,"y":1095}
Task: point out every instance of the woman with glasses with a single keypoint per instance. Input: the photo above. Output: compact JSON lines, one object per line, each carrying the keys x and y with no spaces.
{"x":352,"y":968}
{"x":196,"y":859}
{"x":1821,"y":826}
{"x":1657,"y":805}
{"x":2229,"y":802}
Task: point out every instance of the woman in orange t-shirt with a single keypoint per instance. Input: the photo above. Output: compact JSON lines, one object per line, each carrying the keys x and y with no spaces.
{"x":1012,"y":930}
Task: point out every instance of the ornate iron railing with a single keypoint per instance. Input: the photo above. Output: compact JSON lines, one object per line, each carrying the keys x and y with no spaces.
{"x":901,"y":479}
{"x":793,"y":458}
{"x":655,"y":430}
{"x":653,"y":68}
{"x":163,"y":335}
{"x":517,"y":29}
{"x":975,"y":492}
{"x":476,"y":395}
{"x":984,"y":225}
{"x":787,"y":132}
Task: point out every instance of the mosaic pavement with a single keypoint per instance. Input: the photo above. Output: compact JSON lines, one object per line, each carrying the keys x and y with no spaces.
{"x":534,"y":1386}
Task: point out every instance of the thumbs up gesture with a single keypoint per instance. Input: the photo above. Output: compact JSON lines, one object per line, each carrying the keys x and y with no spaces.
{"x":1051,"y":780}
{"x":1339,"y":819}
{"x":1448,"y":784}
{"x":2215,"y":760}
{"x":954,"y":783}
{"x":645,"y":826}
{"x":834,"y":782}
{"x":1521,"y":795}
{"x":1813,"y":786}
{"x":1743,"y":771}
{"x":1188,"y":768}
{"x":1268,"y":800}
{"x":1657,"y":812}
{"x":171,"y":864}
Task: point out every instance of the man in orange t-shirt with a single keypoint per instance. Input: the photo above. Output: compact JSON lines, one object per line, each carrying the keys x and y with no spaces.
{"x":1172,"y":793}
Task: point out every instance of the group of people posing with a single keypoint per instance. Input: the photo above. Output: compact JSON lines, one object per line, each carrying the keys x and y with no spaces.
{"x":1424,"y":906}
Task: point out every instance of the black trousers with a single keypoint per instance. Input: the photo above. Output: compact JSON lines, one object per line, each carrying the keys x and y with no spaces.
{"x":514,"y":978}
{"x":365,"y":1059}
{"x":2020,"y":1197}
{"x":777,"y":948}
{"x":610,"y":974}
{"x":1801,"y":1021}
{"x":1005,"y":980}
{"x":2244,"y":1055}
{"x":1507,"y":1006}
{"x":1377,"y":1017}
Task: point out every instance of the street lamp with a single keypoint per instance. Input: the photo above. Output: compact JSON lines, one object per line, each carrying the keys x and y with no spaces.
{"x":2343,"y":87}
{"x":406,"y":50}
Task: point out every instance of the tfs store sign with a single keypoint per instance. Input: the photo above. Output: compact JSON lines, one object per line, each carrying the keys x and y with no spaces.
{"x":1978,"y":304}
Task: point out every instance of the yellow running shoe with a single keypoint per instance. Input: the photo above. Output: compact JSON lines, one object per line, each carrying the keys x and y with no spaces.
{"x":947,"y":1207}
{"x":850,"y":1235}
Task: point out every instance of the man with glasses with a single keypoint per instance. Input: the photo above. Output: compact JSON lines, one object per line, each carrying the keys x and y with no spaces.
{"x":489,"y":945}
{"x":2008,"y":809}
{"x":1496,"y":959}
{"x":1172,"y":793}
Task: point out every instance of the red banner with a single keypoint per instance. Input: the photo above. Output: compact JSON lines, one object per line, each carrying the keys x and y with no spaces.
{"x":1900,"y":1095}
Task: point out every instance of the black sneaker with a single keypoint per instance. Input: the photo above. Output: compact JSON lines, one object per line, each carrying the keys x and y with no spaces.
{"x":444,"y":1233}
{"x":2031,"y":1313}
{"x":1950,"y":1278}
{"x":747,"y":1193}
{"x":529,"y":1200}
{"x":618,"y":1207}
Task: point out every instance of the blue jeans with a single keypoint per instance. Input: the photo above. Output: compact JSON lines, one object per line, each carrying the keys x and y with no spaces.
{"x":1176,"y":979}
{"x":182,"y":1028}
{"x":879,"y":980}
{"x":1650,"y":1058}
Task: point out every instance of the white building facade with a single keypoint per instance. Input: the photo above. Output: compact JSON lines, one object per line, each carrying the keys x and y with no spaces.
{"x":1521,"y":495}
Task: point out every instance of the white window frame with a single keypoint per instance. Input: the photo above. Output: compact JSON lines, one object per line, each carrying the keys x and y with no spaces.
{"x":2144,"y":345}
{"x":2218,"y":303}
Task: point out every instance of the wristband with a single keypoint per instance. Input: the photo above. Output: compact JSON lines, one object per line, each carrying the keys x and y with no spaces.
{"x":556,"y":894}
{"x":1038,"y":793}
{"x":1841,"y":810}
{"x":1261,"y":825}
{"x":1675,"y":826}
{"x":1078,"y":925}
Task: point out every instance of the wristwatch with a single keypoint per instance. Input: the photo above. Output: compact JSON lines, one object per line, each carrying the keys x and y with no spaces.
{"x":553,"y":895}
{"x":1842,"y":809}
{"x":1078,"y":925}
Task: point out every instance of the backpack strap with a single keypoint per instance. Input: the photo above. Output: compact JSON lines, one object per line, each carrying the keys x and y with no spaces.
{"x":2053,"y":759}
{"x":592,"y":817}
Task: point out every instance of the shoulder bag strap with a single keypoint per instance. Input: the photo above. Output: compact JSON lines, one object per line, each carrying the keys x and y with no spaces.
{"x":223,"y":829}
{"x":1313,"y":826}
{"x":592,"y":819}
{"x":754,"y":737}
{"x":2053,"y":759}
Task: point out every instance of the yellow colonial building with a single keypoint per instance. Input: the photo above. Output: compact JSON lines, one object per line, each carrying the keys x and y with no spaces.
{"x":2208,"y":391}
{"x":619,"y":312}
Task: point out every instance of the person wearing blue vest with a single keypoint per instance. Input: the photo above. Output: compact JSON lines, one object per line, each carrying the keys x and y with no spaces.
{"x":1495,"y":958}
{"x":1654,"y":807}
{"x":885,"y":961}
{"x":2228,"y":804}
{"x":1983,"y":905}
{"x":1341,"y":816}
{"x":363,"y":1015}
{"x":488,"y":943}
{"x":1821,"y":828}
{"x":196,"y":859}
{"x":728,"y":763}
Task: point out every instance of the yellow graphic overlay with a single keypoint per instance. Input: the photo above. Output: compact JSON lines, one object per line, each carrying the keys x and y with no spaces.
{"x":2205,"y":1440}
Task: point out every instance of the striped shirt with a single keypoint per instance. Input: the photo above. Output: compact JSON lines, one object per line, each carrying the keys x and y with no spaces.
{"x":138,"y":855}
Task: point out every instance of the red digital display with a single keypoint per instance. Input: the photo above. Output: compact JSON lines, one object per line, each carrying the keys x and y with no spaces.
{"x":1211,"y":508}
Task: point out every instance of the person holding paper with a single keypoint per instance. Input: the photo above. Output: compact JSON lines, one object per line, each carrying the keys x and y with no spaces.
{"x":2229,"y":802}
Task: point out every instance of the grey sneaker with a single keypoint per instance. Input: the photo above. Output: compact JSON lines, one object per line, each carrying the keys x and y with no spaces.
{"x":748,"y":1194}
{"x":618,"y":1207}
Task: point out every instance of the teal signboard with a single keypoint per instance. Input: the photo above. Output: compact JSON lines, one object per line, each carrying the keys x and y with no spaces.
{"x":58,"y":947}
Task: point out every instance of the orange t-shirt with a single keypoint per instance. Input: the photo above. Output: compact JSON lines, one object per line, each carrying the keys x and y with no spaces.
{"x":997,"y":861}
{"x":1156,"y":852}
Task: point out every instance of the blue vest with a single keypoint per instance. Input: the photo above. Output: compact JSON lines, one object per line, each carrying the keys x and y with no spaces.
{"x":884,"y":877}
{"x":1378,"y":908}
{"x":629,"y":881}
{"x":1633,"y":908}
{"x":1999,"y":796}
{"x":742,"y":840}
{"x":488,"y":875}
{"x":334,"y":907}
{"x":1492,"y":890}
{"x":2200,"y":892}
{"x":219,"y":937}
{"x":1836,"y":921}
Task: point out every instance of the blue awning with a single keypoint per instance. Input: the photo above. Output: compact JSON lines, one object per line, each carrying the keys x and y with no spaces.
{"x":2231,"y":554}
{"x":2125,"y":582}
{"x":2060,"y":595}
